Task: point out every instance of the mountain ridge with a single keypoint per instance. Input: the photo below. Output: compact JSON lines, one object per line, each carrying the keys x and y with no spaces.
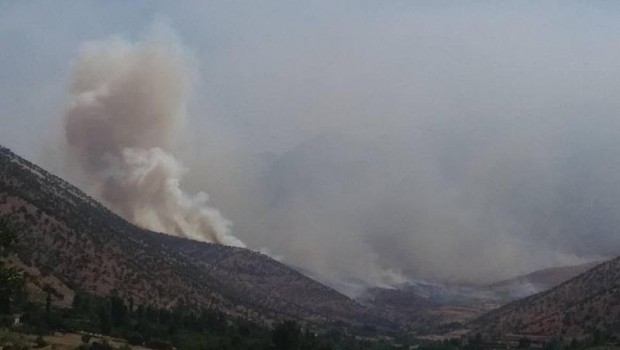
{"x":70,"y":237}
{"x":66,"y":233}
{"x":581,"y":305}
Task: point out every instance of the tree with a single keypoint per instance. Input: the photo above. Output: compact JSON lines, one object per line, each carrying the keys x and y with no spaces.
{"x":118,"y":311}
{"x":105,"y":323}
{"x":7,"y":236}
{"x":524,"y":343}
{"x":553,"y":344}
{"x":48,"y":300}
{"x":286,"y":336}
{"x":474,"y":343}
{"x":10,"y":279}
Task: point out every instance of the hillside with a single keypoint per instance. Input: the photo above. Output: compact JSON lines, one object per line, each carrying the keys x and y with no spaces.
{"x":437,"y":303}
{"x":536,"y":282}
{"x":588,"y":302}
{"x":65,"y":234}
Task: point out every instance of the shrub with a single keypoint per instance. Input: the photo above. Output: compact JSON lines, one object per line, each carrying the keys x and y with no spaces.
{"x":103,"y":345}
{"x":85,"y":338}
{"x":134,"y":338}
{"x":40,"y":342}
{"x":158,"y":344}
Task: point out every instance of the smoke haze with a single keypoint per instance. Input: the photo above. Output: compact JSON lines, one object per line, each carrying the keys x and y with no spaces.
{"x":366,"y":143}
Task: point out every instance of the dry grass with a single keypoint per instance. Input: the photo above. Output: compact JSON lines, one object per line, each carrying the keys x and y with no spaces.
{"x":62,"y":341}
{"x":57,"y":341}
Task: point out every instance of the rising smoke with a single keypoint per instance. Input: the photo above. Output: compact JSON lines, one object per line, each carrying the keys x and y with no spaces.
{"x":125,"y":108}
{"x":460,"y":142}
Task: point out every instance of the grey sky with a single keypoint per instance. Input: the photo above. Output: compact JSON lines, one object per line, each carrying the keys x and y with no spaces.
{"x":365,"y":139}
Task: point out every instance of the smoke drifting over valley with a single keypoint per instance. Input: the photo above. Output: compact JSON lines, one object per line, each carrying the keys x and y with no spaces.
{"x":366,"y":143}
{"x":126,"y":102}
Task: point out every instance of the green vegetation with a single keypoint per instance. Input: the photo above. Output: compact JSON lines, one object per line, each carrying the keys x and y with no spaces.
{"x":182,"y":327}
{"x":194,"y":327}
{"x":11,"y":281}
{"x":598,"y":340}
{"x":17,"y":340}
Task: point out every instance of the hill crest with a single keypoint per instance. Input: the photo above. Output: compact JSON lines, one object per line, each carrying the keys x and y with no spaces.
{"x":65,"y":233}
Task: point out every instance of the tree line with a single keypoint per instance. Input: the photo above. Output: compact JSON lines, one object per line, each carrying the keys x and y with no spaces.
{"x":180,"y":327}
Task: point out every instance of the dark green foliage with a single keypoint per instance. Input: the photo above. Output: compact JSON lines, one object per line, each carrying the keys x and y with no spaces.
{"x":40,"y":342}
{"x":134,"y":338}
{"x":7,"y":236}
{"x":105,"y":322}
{"x":474,"y":343}
{"x":11,"y":282}
{"x":158,"y":344}
{"x":48,"y":303}
{"x":286,"y":336}
{"x":183,"y":327}
{"x":118,"y":312}
{"x":188,"y":327}
{"x":103,"y":345}
{"x":439,"y":345}
{"x":35,"y":317}
{"x":574,"y":344}
{"x":554,"y":344}
{"x":524,"y":343}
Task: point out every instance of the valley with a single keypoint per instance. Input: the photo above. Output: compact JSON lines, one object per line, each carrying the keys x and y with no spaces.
{"x":69,"y":246}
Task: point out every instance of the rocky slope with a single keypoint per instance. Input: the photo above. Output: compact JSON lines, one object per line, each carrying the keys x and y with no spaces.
{"x":576,"y":307}
{"x":535,"y":282}
{"x":432,"y":314}
{"x":65,"y":234}
{"x":437,"y":303}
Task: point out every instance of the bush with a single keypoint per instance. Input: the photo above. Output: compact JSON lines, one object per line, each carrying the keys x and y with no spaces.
{"x":40,"y":342}
{"x":85,"y":338}
{"x":135,"y":338}
{"x":158,"y":344}
{"x":103,"y":345}
{"x":524,"y":343}
{"x":6,"y":321}
{"x":286,"y":335}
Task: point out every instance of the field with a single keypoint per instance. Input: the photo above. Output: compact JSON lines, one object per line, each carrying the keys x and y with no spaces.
{"x":57,"y":341}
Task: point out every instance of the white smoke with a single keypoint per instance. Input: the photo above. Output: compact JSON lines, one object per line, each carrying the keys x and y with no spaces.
{"x":484,"y":137}
{"x":126,"y":104}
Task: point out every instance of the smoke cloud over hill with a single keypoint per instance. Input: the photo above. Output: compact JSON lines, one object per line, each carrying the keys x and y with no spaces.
{"x":366,"y":143}
{"x":126,"y":102}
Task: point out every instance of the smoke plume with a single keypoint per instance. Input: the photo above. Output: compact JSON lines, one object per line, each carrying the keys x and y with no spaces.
{"x":364,"y":142}
{"x":126,"y":105}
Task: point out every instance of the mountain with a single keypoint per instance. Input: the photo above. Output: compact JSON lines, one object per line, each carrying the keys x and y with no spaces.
{"x":579,"y":306}
{"x":444,"y":303}
{"x":65,"y":234}
{"x":536,"y":282}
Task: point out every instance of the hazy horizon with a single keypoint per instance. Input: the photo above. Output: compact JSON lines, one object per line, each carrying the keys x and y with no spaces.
{"x":365,"y":143}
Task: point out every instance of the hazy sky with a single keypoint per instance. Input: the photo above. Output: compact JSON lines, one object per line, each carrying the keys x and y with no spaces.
{"x":367,"y":141}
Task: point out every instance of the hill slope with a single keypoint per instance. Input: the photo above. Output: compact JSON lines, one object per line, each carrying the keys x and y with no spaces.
{"x":579,"y":306}
{"x":536,"y":282}
{"x":437,"y":303}
{"x":64,"y":233}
